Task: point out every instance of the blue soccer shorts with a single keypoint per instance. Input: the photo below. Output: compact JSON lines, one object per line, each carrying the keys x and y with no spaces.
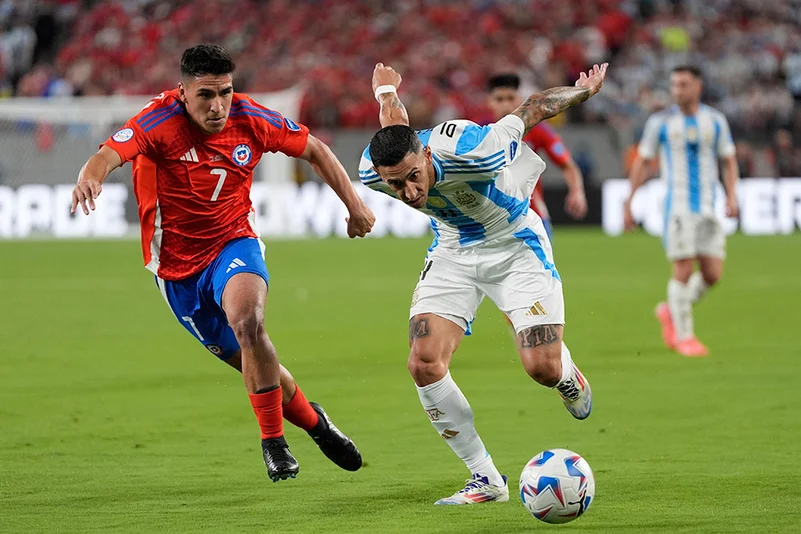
{"x":197,"y":301}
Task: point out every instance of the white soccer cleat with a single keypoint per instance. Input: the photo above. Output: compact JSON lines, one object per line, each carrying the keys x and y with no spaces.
{"x":478,"y":490}
{"x":576,"y":394}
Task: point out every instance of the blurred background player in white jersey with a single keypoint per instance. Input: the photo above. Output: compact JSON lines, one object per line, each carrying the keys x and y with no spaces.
{"x":689,"y":138}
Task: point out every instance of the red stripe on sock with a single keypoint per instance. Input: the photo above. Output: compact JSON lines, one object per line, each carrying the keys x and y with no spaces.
{"x":299,"y":412}
{"x":267,"y":407}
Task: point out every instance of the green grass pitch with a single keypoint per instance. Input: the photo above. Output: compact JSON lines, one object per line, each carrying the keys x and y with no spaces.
{"x":112,"y":418}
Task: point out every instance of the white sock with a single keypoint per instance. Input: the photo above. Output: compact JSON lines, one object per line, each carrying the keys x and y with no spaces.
{"x":680,"y":308}
{"x":567,"y":365}
{"x":452,"y":417}
{"x":696,"y":286}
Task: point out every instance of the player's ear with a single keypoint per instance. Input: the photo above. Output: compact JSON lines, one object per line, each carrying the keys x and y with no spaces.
{"x":182,"y":92}
{"x":427,"y":152}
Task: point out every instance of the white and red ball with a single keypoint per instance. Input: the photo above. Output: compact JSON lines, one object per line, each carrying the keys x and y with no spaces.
{"x":557,"y":486}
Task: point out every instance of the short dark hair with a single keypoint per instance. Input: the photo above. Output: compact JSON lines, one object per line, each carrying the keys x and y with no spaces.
{"x":206,"y":59}
{"x":510,"y":80}
{"x":391,"y":144}
{"x":692,"y":69}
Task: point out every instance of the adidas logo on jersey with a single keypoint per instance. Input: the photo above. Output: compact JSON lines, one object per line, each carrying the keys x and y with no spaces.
{"x":234,"y":264}
{"x":190,"y":156}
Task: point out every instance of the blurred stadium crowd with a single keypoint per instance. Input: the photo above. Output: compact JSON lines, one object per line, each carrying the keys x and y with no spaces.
{"x":750,"y":51}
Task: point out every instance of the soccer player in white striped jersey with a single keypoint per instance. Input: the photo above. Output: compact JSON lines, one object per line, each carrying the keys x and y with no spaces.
{"x":689,"y":138}
{"x":475,"y":183}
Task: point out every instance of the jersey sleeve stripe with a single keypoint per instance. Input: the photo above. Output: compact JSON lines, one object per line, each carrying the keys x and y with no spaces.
{"x":367,"y":180}
{"x":155,"y":115}
{"x":244,"y":105}
{"x":451,"y":164}
{"x":477,"y":170}
{"x":466,"y":159}
{"x":253,"y":105}
{"x":272,"y":120}
{"x":161,"y":119}
{"x":462,"y":167}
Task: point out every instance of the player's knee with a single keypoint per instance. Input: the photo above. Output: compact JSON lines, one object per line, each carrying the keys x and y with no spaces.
{"x":682,"y":270}
{"x":544,"y":364}
{"x":248,"y":328}
{"x":711,"y":276}
{"x":426,"y":367}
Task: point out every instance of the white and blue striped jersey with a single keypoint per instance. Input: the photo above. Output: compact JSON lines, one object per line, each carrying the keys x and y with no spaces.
{"x":484,"y":178}
{"x":688,"y":149}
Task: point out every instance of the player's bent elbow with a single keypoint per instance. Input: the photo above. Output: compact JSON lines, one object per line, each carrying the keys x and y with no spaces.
{"x":108,"y":158}
{"x":315,"y":151}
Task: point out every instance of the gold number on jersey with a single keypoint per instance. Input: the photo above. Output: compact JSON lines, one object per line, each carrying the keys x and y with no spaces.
{"x":223,"y":173}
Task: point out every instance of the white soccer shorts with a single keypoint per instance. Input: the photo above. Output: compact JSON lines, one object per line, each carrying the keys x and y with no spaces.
{"x":690,"y":235}
{"x":516,"y":273}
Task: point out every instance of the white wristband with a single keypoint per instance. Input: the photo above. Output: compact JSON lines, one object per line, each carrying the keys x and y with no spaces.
{"x":383,"y":89}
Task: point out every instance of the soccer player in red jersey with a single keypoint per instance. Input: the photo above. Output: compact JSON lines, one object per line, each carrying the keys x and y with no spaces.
{"x":504,"y":97}
{"x":193,"y":151}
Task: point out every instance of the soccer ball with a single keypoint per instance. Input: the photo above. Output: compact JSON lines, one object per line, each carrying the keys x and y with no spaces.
{"x":557,"y":486}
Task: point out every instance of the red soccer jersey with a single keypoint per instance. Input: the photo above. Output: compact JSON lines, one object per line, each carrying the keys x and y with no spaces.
{"x":193,"y":189}
{"x":543,"y":137}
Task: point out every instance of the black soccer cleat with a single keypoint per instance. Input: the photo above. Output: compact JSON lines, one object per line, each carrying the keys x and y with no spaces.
{"x":280,"y":463}
{"x":335,"y":445}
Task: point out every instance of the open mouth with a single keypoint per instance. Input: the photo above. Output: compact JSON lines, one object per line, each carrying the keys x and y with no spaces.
{"x":217,"y":122}
{"x":416,"y":203}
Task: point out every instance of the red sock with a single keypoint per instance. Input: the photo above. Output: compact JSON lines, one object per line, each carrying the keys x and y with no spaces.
{"x":299,"y":412}
{"x":267,"y":407}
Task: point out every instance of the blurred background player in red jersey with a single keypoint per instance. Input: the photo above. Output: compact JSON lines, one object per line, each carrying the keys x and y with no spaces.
{"x":504,"y":97}
{"x":193,"y":150}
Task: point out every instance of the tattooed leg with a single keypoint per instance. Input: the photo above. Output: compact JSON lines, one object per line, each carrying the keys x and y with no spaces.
{"x":433,"y":340}
{"x":541,"y":352}
{"x":418,"y":327}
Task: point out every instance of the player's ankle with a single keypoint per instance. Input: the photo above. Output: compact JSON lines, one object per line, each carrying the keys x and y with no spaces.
{"x":274,"y":440}
{"x":486,"y":468}
{"x":320,"y":428}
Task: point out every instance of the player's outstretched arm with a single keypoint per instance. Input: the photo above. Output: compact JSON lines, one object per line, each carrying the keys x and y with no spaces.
{"x":731,"y":175}
{"x":327,"y":166}
{"x":91,"y":178}
{"x":640,"y":170}
{"x":576,"y":200}
{"x":551,"y":102}
{"x":392,"y":109}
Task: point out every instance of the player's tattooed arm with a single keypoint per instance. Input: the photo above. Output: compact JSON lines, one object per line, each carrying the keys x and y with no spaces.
{"x":392,"y":111}
{"x":551,"y":102}
{"x":418,"y":328}
{"x":539,"y":335}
